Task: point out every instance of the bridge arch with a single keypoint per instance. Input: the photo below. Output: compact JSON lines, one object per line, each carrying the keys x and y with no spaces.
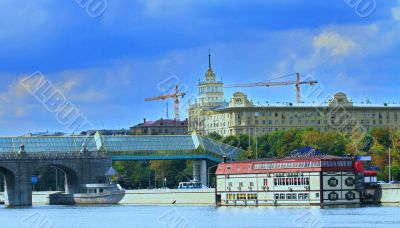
{"x":9,"y":185}
{"x":72,"y":180}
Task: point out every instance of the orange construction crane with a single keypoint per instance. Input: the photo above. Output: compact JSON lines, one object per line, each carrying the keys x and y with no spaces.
{"x":297,"y":83}
{"x":175,"y":95}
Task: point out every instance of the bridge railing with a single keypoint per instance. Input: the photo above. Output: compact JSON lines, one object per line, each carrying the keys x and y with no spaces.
{"x":168,"y":153}
{"x":49,"y":155}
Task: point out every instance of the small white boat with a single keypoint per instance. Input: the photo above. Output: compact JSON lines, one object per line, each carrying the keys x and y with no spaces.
{"x":92,"y":194}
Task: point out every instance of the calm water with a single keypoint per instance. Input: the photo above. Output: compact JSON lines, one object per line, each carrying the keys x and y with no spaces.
{"x":198,"y":216}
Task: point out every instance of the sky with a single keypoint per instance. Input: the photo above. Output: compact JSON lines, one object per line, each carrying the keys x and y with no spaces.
{"x":106,"y":56}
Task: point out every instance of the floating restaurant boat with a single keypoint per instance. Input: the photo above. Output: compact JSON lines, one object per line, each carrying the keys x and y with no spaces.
{"x":306,"y":177}
{"x":92,"y":194}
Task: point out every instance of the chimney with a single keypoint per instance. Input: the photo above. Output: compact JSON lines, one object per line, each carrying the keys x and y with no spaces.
{"x":144,"y":120}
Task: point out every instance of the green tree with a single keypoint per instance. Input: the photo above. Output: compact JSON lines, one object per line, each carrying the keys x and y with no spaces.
{"x":382,"y":136}
{"x":214,"y":135}
{"x":231,"y":140}
{"x":244,"y":141}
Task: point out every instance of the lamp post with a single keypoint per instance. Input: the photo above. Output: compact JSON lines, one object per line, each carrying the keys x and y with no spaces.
{"x":390,"y":168}
{"x":208,"y":174}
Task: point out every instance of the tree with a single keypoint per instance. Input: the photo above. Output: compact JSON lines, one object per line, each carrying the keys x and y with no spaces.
{"x":231,"y":140}
{"x":264,"y":147}
{"x":382,"y":136}
{"x":244,"y":141}
{"x":214,"y":135}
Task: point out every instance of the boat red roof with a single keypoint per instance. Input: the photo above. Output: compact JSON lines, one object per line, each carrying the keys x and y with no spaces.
{"x":289,"y":164}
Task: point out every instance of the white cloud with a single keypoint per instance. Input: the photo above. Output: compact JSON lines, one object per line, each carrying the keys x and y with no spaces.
{"x":334,"y":44}
{"x":396,"y":12}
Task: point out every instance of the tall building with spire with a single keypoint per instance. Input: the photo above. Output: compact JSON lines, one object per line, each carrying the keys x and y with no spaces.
{"x":210,"y":90}
{"x":210,"y":96}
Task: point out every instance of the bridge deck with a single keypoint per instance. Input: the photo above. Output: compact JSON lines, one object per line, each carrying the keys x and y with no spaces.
{"x":130,"y":147}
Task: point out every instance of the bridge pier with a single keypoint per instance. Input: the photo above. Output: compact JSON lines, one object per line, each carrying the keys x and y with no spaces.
{"x":18,"y":189}
{"x":200,"y":171}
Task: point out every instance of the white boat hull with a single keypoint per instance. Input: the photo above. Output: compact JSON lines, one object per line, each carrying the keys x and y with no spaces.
{"x":86,"y":198}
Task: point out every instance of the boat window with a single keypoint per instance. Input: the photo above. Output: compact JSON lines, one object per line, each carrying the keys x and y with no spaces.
{"x":294,"y":196}
{"x":241,"y":196}
{"x":231,"y":196}
{"x":282,"y":196}
{"x":289,"y":196}
{"x":252,"y":196}
{"x":276,"y":196}
{"x":300,"y":195}
{"x":305,"y":195}
{"x":100,"y":190}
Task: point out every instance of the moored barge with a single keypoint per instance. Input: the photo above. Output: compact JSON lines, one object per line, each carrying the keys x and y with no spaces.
{"x":308,"y":178}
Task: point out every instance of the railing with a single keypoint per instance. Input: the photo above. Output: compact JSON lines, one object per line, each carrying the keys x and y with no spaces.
{"x":166,"y":153}
{"x":48,"y":155}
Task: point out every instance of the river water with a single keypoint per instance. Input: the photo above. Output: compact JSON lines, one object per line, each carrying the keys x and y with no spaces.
{"x":198,"y":216}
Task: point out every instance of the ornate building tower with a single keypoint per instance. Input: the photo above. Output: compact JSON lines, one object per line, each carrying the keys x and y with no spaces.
{"x":210,"y":96}
{"x":210,"y":91}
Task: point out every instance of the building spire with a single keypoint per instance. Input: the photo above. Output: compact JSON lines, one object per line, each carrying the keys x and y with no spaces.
{"x":209,"y":58}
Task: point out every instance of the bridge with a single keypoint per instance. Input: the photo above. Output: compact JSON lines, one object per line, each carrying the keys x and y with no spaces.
{"x":85,"y":159}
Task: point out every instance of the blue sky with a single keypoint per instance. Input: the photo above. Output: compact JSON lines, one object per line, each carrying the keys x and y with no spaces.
{"x":107,"y":65}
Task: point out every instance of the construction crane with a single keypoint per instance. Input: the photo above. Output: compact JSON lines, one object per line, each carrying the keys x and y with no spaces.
{"x":297,"y":83}
{"x":175,"y":96}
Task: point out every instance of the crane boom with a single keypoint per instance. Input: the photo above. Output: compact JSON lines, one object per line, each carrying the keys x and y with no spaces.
{"x":175,"y":96}
{"x":267,"y":84}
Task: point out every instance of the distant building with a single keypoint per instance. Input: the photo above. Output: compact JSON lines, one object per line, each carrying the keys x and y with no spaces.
{"x":47,"y":133}
{"x":211,"y":113}
{"x":161,"y":127}
{"x":107,"y":132}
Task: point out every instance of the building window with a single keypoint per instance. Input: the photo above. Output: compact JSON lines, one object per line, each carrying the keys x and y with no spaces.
{"x":276,"y":196}
{"x":305,"y":196}
{"x":282,"y":196}
{"x":332,"y":182}
{"x":288,"y":196}
{"x":349,"y":181}
{"x":294,"y":196}
{"x":317,"y":195}
{"x":333,"y":196}
{"x":350,"y":195}
{"x":300,"y":196}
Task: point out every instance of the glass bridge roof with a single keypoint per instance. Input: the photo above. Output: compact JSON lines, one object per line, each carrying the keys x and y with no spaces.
{"x":45,"y":144}
{"x":132,"y":143}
